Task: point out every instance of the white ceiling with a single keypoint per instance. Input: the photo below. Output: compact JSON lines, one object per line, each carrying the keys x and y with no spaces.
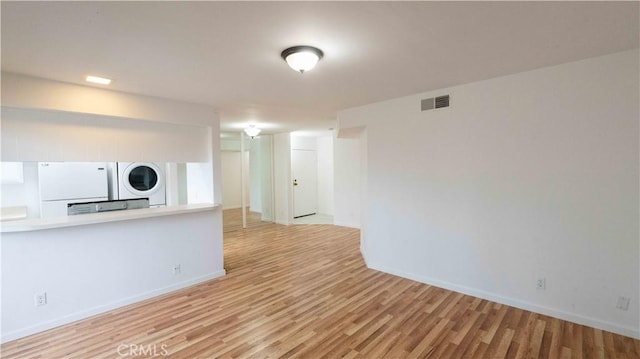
{"x":227,"y":54}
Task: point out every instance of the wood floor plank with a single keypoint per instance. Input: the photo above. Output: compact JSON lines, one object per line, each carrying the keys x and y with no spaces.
{"x":418,"y":351}
{"x":305,"y":292}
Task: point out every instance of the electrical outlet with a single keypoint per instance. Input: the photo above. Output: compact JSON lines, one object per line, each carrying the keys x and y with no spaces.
{"x":623,"y":303}
{"x":177,"y":269}
{"x":541,"y":284}
{"x":41,"y":299}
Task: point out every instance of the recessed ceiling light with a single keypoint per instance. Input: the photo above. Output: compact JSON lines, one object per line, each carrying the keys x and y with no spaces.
{"x":98,"y":80}
{"x":302,"y":58}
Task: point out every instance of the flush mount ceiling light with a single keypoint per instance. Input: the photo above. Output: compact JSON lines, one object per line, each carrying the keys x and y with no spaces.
{"x":302,"y":58}
{"x":252,"y":131}
{"x":97,"y":80}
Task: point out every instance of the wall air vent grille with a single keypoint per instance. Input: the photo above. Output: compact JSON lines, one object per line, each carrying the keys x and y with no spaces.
{"x":442,"y":101}
{"x":437,"y":102}
{"x":427,"y":104}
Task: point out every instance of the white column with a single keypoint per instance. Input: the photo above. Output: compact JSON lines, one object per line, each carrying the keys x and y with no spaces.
{"x":243,"y":184}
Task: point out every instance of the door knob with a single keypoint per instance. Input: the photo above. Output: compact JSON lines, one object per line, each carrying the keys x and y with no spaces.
{"x":295,"y":182}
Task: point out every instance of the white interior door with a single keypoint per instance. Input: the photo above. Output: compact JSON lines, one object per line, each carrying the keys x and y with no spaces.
{"x":305,"y":187}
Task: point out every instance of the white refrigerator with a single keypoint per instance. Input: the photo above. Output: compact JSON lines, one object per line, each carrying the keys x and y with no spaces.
{"x":62,"y":183}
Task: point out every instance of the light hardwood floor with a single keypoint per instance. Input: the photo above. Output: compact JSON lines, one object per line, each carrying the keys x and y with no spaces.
{"x":304,"y":291}
{"x":232,"y":219}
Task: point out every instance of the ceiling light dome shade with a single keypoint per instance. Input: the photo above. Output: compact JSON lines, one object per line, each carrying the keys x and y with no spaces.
{"x":252,"y":131}
{"x":302,"y":58}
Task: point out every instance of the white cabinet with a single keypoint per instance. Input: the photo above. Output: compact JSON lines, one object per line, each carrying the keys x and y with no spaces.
{"x":62,"y":183}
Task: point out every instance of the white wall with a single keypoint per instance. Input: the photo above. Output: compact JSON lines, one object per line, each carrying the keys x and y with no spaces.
{"x":26,"y":194}
{"x":265,"y":157}
{"x":198,"y":187}
{"x":533,"y":175}
{"x":233,"y":144}
{"x":182,"y":183}
{"x":215,"y":179}
{"x":90,"y":269}
{"x":94,"y":124}
{"x":325,"y":175}
{"x":364,"y":198}
{"x":254,"y":179}
{"x":21,"y":91}
{"x":303,"y":143}
{"x":282,"y":178}
{"x":247,"y":180}
{"x":232,"y":180}
{"x":45,"y":135}
{"x":347,"y":182}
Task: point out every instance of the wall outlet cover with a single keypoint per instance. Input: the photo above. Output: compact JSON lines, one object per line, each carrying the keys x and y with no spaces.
{"x":40,"y":299}
{"x":623,"y":303}
{"x":177,"y":269}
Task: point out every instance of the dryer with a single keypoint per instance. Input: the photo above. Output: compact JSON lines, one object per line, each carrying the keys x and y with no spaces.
{"x":142,"y":180}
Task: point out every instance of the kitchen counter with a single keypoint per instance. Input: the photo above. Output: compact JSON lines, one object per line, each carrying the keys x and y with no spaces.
{"x":13,"y":213}
{"x":36,"y":224}
{"x":92,"y":263}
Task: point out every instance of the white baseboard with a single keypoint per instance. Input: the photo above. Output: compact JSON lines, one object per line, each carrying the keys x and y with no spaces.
{"x":364,"y":254}
{"x":346,"y":224}
{"x":284,"y":223}
{"x":16,"y":334}
{"x":555,"y":313}
{"x":237,"y":206}
{"x":232,"y":207}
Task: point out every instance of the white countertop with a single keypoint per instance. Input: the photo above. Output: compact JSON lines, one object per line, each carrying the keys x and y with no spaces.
{"x":13,"y":213}
{"x":37,"y":224}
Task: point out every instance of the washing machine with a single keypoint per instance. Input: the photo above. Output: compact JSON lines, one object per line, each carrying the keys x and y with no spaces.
{"x":142,"y":180}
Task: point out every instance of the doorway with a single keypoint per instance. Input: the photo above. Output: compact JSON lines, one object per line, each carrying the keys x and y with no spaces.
{"x":305,"y":187}
{"x":312,"y":178}
{"x":247,"y":184}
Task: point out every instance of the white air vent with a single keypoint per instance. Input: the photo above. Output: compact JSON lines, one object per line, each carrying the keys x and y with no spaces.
{"x":434,"y":102}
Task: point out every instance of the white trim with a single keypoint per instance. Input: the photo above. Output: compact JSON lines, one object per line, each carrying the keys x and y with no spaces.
{"x":346,"y":224}
{"x":556,"y":313}
{"x":231,"y":207}
{"x":238,"y":206}
{"x":364,"y":254}
{"x":284,"y":223}
{"x":16,"y":334}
